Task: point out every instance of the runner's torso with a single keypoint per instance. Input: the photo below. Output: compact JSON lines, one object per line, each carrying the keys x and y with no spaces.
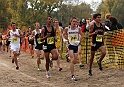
{"x":50,"y":40}
{"x":73,"y":36}
{"x":99,"y":36}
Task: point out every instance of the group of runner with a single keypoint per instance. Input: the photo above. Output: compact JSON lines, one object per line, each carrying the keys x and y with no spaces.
{"x":46,"y":40}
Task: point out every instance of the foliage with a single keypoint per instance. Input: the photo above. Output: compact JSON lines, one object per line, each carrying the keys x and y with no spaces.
{"x":27,"y":12}
{"x":115,"y":7}
{"x":4,"y":17}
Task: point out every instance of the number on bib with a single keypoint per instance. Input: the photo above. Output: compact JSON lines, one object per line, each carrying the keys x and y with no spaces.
{"x":99,"y":38}
{"x":73,"y":38}
{"x":50,"y":40}
{"x":14,"y":40}
{"x":38,"y":40}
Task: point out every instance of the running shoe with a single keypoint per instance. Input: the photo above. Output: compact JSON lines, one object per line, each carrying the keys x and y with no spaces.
{"x":39,"y":69}
{"x":60,"y":69}
{"x":90,"y":72}
{"x":32,"y":56}
{"x":47,"y":74}
{"x":81,"y":65}
{"x":73,"y":78}
{"x":100,"y":65}
{"x":51,"y":63}
{"x":17,"y":67}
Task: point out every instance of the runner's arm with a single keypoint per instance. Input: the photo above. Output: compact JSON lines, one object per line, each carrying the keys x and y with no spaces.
{"x":81,"y":34}
{"x":42,"y":35}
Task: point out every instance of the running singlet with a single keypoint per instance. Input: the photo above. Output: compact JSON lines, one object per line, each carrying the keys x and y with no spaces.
{"x":14,"y":40}
{"x":73,"y":36}
{"x":58,"y":37}
{"x":50,"y":40}
{"x":36,"y":40}
{"x":99,"y":36}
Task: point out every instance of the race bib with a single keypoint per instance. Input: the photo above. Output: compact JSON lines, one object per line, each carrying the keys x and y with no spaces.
{"x":38,"y":40}
{"x":50,"y":40}
{"x":14,"y":40}
{"x":73,"y":38}
{"x":99,"y":38}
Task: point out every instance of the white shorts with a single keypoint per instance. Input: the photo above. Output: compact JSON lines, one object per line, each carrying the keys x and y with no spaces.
{"x":15,"y":48}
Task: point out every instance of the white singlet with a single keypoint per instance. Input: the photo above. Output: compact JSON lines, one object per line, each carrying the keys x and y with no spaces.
{"x":73,"y":36}
{"x":15,"y":41}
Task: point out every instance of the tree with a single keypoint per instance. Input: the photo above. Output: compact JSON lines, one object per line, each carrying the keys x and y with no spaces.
{"x":118,"y":11}
{"x":4,"y":14}
{"x":114,"y":7}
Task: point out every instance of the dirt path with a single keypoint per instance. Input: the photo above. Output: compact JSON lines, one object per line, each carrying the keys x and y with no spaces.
{"x":28,"y":76}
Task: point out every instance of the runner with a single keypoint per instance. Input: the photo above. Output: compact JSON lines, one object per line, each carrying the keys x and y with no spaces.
{"x":73,"y":33}
{"x":15,"y":36}
{"x":49,"y":35}
{"x":8,"y":45}
{"x":31,"y":41}
{"x":58,"y":43}
{"x":38,"y":44}
{"x":96,"y":31}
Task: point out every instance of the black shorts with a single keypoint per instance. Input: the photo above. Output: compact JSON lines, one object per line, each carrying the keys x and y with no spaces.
{"x":7,"y":43}
{"x":48,"y":48}
{"x":74,"y":48}
{"x":31,"y":42}
{"x":96,"y":46}
{"x":39,"y":47}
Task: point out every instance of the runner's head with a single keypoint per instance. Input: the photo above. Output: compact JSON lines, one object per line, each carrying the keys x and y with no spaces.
{"x":56,"y":22}
{"x":37,"y":25}
{"x":13,"y":25}
{"x":97,"y":17}
{"x":78,"y":22}
{"x":49,"y":20}
{"x":73,"y":21}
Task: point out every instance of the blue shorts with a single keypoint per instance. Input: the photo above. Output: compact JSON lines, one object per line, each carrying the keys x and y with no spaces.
{"x":74,"y":48}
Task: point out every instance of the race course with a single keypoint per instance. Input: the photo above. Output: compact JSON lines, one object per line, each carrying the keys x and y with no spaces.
{"x":28,"y":76}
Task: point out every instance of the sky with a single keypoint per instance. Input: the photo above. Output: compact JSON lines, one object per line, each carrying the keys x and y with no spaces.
{"x":90,"y":1}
